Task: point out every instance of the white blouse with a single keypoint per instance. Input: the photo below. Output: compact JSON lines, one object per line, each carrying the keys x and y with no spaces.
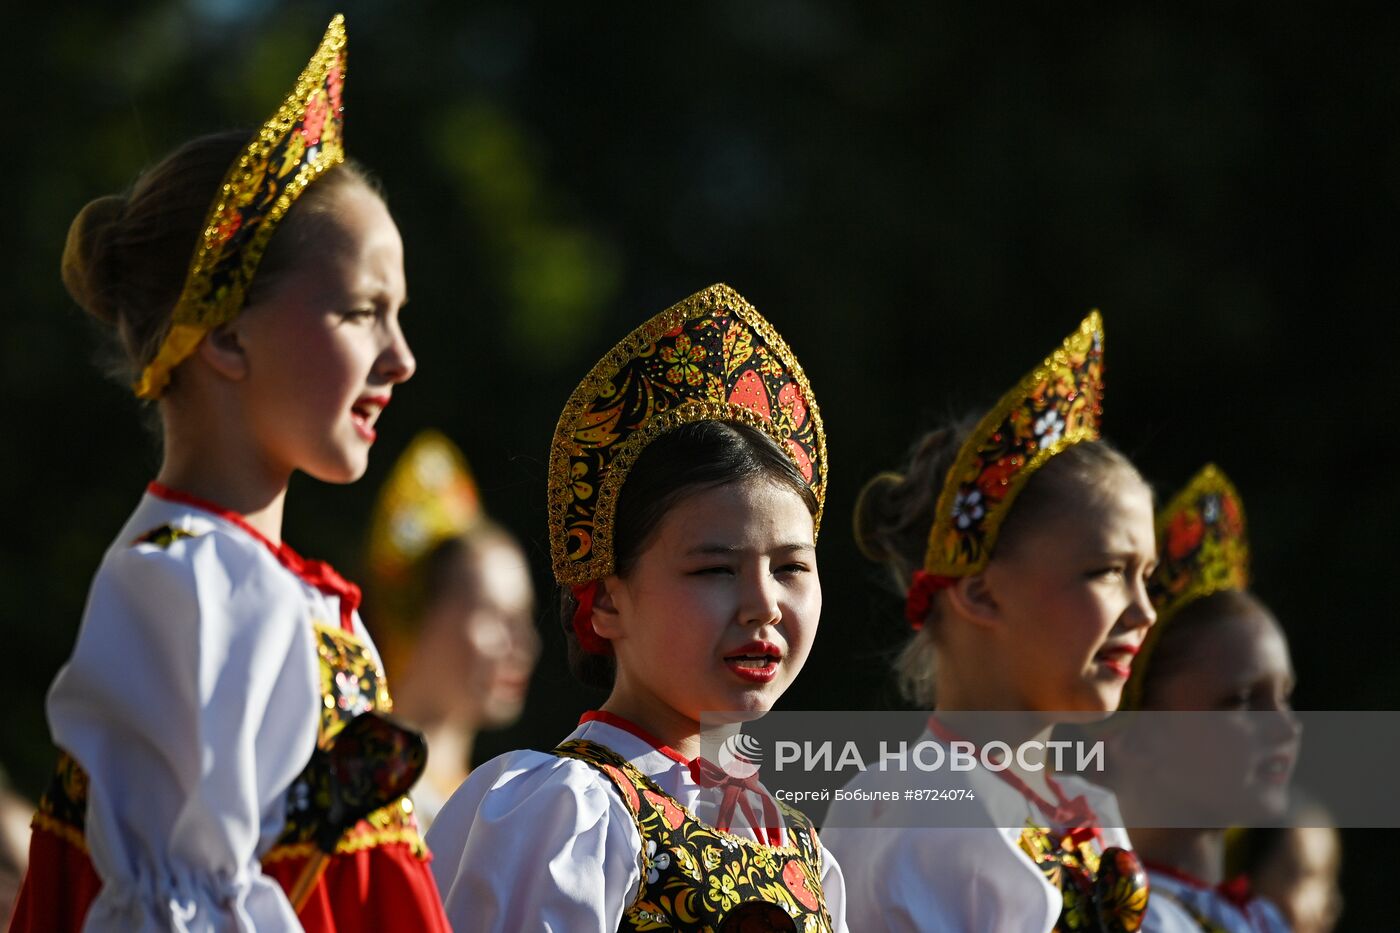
{"x":951,"y":880}
{"x":533,"y":841}
{"x":1175,"y":905}
{"x":191,"y":700}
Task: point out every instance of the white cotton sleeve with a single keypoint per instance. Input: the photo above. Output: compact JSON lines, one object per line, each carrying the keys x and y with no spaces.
{"x":939,"y":881}
{"x":834,"y":890}
{"x":533,"y":841}
{"x":191,"y":702}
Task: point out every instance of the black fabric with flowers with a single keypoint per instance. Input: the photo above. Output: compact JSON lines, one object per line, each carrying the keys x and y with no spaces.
{"x":1102,"y":893}
{"x":697,"y":878}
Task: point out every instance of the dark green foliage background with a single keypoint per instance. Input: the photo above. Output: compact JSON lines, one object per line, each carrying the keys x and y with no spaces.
{"x":924,"y":198}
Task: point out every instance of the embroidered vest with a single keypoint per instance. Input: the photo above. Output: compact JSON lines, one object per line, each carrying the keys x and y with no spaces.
{"x":697,"y":878}
{"x":1101,"y":894}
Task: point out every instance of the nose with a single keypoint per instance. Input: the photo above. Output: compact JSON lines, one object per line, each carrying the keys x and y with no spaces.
{"x":396,"y":363}
{"x":1140,"y":612}
{"x":758,"y":600}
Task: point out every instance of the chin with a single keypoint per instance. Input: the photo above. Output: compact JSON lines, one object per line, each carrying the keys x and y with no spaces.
{"x":341,"y":472}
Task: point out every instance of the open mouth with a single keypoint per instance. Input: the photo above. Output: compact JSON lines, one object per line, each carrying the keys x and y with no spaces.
{"x":365,"y":412}
{"x":1117,"y":659}
{"x":756,"y":662}
{"x":1276,"y":769}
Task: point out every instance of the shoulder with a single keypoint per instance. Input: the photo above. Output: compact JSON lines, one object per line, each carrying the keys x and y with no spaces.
{"x":529,"y":793}
{"x":531,"y":836}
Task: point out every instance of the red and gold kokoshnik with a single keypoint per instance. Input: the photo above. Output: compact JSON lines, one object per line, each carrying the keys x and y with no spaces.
{"x":1056,"y":405}
{"x":1202,"y":548}
{"x":711,"y":356}
{"x":293,"y":148}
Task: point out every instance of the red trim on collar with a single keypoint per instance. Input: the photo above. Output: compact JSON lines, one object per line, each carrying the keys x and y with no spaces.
{"x":1236,"y":890}
{"x":628,"y":726}
{"x":1073,"y":814}
{"x":316,"y":573}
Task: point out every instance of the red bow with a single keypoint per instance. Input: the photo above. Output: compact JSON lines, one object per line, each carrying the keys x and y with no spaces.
{"x":708,"y":774}
{"x":919,"y":600}
{"x":588,"y":638}
{"x":324,"y":577}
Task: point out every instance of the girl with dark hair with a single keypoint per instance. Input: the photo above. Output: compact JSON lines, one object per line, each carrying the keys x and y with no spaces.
{"x":685,"y":488}
{"x":1027,"y":596}
{"x":1216,"y":647}
{"x":255,"y":286}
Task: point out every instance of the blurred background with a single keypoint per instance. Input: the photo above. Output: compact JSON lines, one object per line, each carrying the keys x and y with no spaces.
{"x":923,"y":198}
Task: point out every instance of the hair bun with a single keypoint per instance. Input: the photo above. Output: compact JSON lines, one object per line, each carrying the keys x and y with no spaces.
{"x":86,"y":256}
{"x":877,"y":508}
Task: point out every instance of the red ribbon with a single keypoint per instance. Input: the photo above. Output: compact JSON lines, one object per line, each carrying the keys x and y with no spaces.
{"x":1236,"y":890}
{"x":1074,"y":813}
{"x":737,"y":791}
{"x":919,"y":600}
{"x":588,"y":638}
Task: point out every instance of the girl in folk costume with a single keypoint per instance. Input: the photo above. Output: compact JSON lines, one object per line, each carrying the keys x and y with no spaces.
{"x":453,"y":611}
{"x":214,"y":665}
{"x":686,"y":482}
{"x":1216,"y":647}
{"x":1028,"y":595}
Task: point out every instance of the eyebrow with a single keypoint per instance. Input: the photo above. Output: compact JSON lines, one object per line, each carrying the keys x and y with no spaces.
{"x":729,"y":549}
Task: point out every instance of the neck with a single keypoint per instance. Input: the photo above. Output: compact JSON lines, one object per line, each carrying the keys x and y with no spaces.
{"x":671,"y":728}
{"x":1199,"y":853}
{"x":450,"y":762}
{"x":207,"y":458}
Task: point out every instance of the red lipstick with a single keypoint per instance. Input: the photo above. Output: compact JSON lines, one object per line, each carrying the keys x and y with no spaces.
{"x":756,"y":662}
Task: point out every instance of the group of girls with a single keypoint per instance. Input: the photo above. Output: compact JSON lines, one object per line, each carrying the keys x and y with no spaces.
{"x":256,"y":285}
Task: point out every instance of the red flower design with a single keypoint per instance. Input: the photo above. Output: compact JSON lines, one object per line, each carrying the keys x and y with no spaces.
{"x":314,"y":119}
{"x":750,"y":393}
{"x":994,"y":479}
{"x":1184,"y":534}
{"x":335,"y":80}
{"x":625,"y":786}
{"x":790,"y":399}
{"x":1232,"y":521}
{"x":804,"y":462}
{"x":670,"y":813}
{"x":795,"y":877}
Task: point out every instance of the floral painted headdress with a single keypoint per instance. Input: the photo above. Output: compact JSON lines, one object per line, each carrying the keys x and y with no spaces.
{"x":1202,"y":549}
{"x":291,"y":150}
{"x":429,"y":497}
{"x":712,"y":356}
{"x":1054,"y":406}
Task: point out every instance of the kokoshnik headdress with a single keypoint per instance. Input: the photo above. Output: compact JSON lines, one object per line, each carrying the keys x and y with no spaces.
{"x":1202,"y":549}
{"x":291,"y":150}
{"x":712,"y":356}
{"x":1054,"y":406}
{"x":429,"y":497}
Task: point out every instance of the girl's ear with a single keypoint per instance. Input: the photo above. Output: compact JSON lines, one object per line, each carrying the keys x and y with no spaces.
{"x":607,"y":620}
{"x":221,"y":351}
{"x":972,"y":597}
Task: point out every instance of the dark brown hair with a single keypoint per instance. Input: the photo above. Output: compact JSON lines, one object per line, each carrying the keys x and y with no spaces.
{"x":895,"y":512}
{"x":127,"y":255}
{"x":683,"y":461}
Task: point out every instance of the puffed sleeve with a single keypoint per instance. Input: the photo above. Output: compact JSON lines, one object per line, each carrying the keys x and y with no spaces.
{"x":939,"y":881}
{"x":191,"y":702}
{"x":834,"y":890}
{"x":533,"y":841}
